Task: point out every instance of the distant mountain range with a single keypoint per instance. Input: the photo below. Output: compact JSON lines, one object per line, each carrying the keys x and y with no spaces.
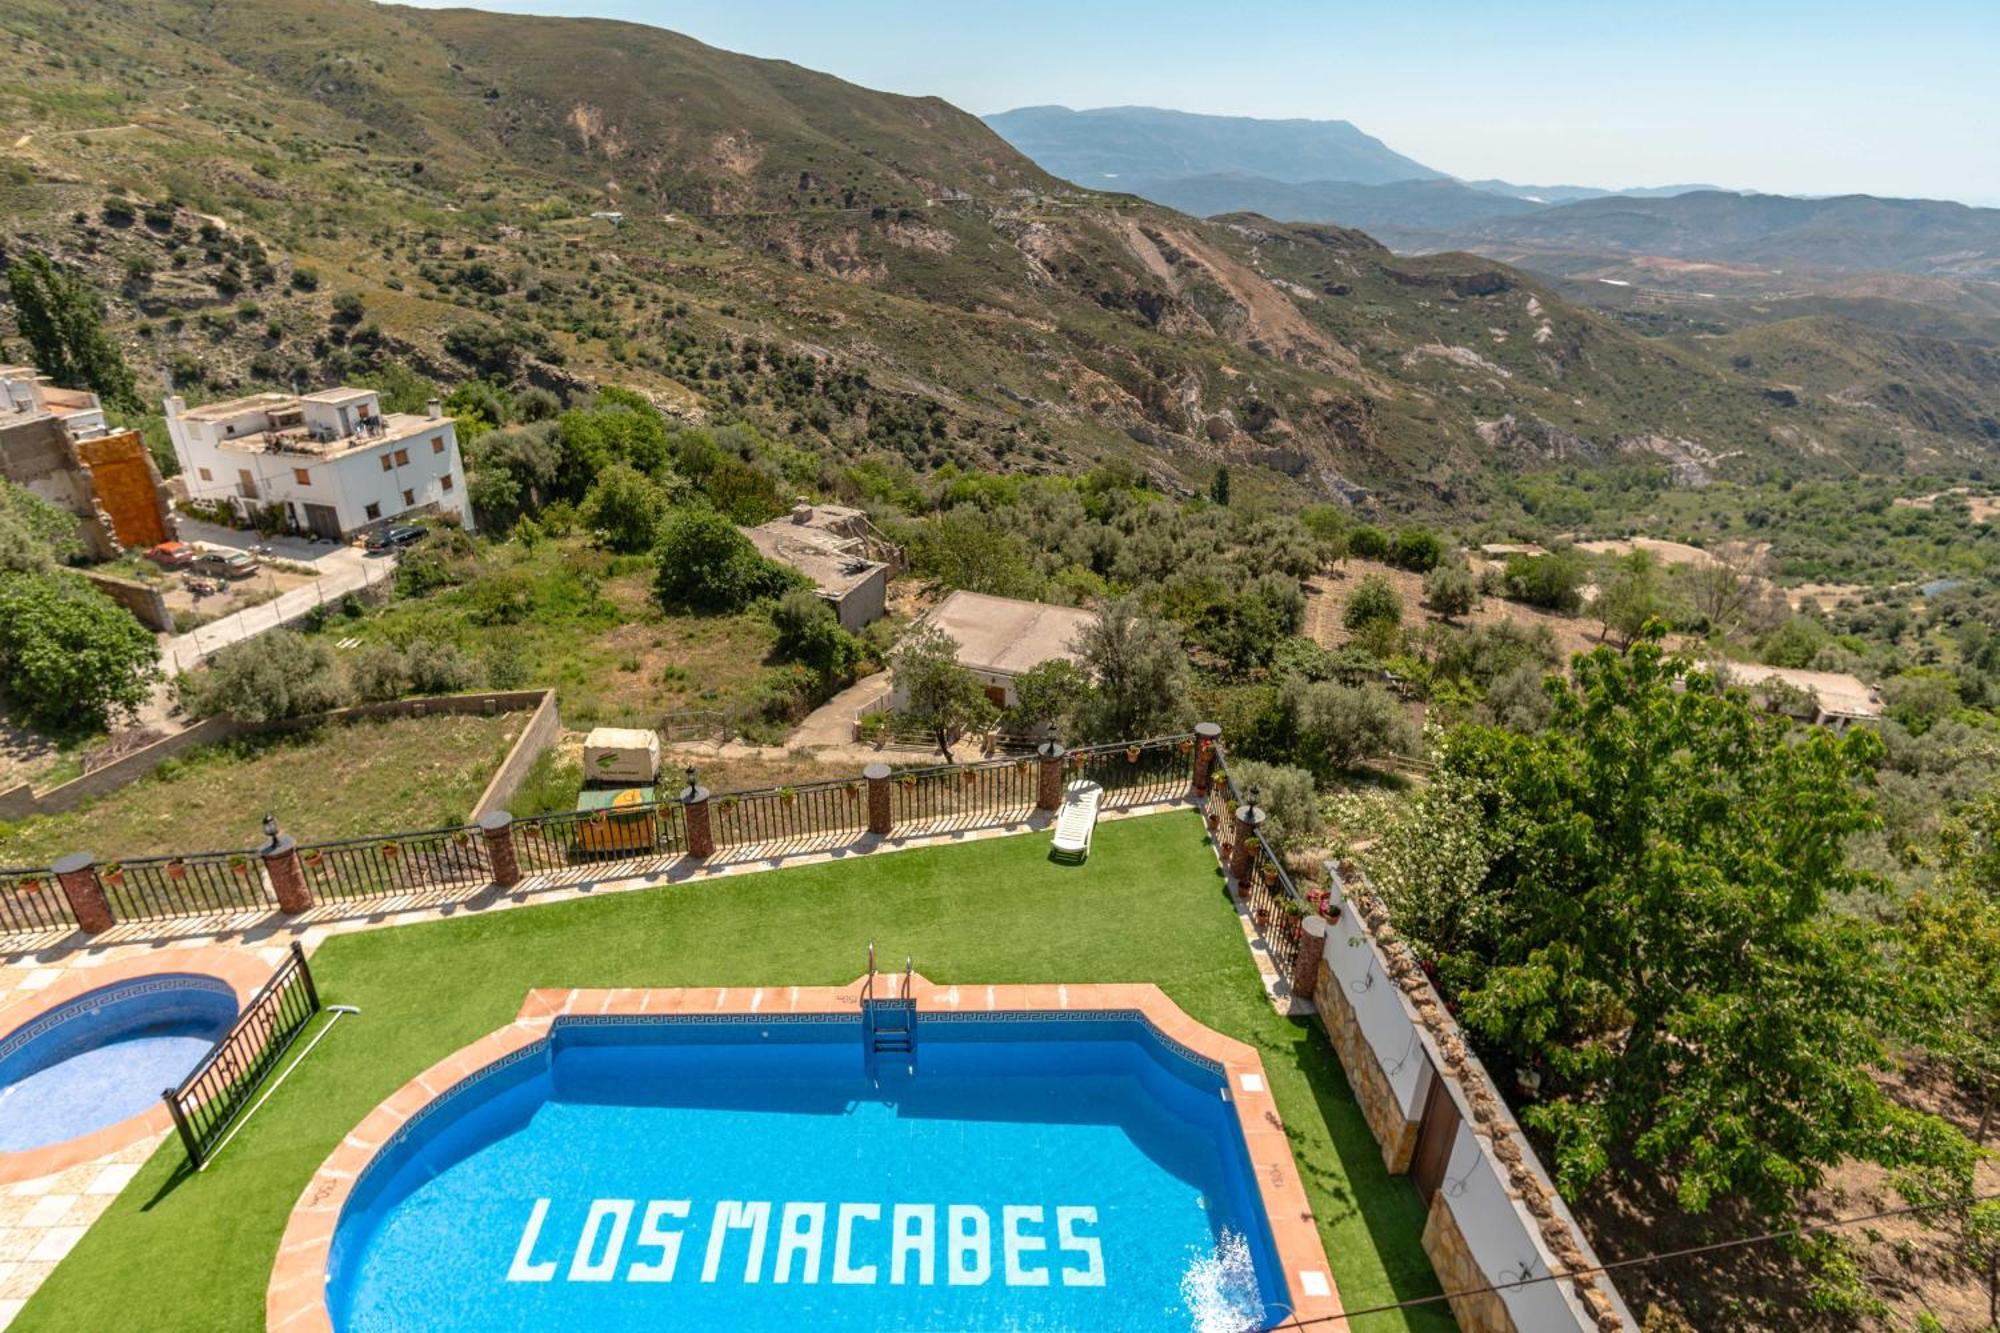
{"x":1330,"y":171}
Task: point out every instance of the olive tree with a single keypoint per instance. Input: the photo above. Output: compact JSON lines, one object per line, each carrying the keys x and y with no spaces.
{"x":939,"y":694}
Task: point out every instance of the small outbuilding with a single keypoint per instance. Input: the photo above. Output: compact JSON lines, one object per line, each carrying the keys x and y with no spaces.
{"x":999,"y":638}
{"x":849,"y":562}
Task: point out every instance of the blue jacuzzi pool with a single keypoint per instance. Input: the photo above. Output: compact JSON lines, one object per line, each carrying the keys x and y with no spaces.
{"x":1033,"y":1172}
{"x":106,"y":1056}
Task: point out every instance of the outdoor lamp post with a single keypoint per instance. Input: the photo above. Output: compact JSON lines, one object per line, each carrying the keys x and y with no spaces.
{"x":270,"y":830}
{"x":692,"y":786}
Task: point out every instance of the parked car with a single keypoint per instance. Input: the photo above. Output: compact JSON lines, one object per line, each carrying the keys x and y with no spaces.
{"x":225,"y":564}
{"x":389,"y":539}
{"x":172,"y":555}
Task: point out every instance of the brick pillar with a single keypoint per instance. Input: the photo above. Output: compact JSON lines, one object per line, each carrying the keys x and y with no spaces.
{"x":881,"y":810}
{"x":502,"y":859}
{"x":701,"y":833}
{"x":1312,"y":948}
{"x":1249,"y":824}
{"x":287,"y":875}
{"x":1206,"y":734}
{"x":1049,"y":782}
{"x":77,"y":874}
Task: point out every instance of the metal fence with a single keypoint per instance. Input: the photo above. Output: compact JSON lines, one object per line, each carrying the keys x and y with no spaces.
{"x":153,"y":888}
{"x":1276,"y":906}
{"x":551,"y":844}
{"x":1137,"y":772}
{"x":31,"y":902}
{"x":399,"y":864}
{"x":791,"y":818}
{"x":956,"y":796}
{"x":209,"y":1099}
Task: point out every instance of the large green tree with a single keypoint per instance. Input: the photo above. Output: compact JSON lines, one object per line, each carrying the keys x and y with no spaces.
{"x":1670,"y":958}
{"x":62,"y":317}
{"x":69,"y":656}
{"x":1141,"y":682}
{"x":706,"y":565}
{"x":939,"y":694}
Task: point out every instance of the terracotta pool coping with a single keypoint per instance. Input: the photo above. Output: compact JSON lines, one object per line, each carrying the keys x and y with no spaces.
{"x":243,"y":973}
{"x":296,"y":1298}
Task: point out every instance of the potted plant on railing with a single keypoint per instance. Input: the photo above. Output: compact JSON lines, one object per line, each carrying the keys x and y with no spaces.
{"x":239,"y":865}
{"x":111,"y":873}
{"x":311,"y":858}
{"x":27,"y":884}
{"x":853,"y":790}
{"x":1021,"y":765}
{"x":727,"y":803}
{"x":177,"y":870}
{"x":968,"y":776}
{"x":786,"y":796}
{"x":1131,"y":754}
{"x":1186,"y":746}
{"x":390,"y":851}
{"x":907,"y":780}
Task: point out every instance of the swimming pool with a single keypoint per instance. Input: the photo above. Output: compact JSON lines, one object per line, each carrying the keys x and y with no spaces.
{"x":90,"y":1062}
{"x":1073,"y":1169}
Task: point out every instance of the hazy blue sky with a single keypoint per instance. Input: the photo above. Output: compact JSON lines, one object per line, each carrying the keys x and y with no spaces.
{"x":1797,"y":96}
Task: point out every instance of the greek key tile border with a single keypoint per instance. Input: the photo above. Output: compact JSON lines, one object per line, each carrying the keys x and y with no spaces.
{"x":116,"y":992}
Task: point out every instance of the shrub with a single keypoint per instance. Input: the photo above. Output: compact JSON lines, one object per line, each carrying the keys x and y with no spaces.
{"x":507,"y":664}
{"x":1451,"y":591}
{"x":1417,"y":549}
{"x":623,"y":508}
{"x":707,"y":566}
{"x":437,"y":667}
{"x":1553,"y":581}
{"x":378,"y":673}
{"x":272,"y":677}
{"x":1373,"y":602}
{"x":305,"y":279}
{"x":1287,"y":796}
{"x":809,"y":632}
{"x":1368,"y":543}
{"x":1337,"y":726}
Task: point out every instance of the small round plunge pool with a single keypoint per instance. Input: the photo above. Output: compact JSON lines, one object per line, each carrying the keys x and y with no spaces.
{"x":91,"y":1062}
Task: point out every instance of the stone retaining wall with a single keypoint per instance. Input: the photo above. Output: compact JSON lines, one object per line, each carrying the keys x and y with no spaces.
{"x":23,"y":801}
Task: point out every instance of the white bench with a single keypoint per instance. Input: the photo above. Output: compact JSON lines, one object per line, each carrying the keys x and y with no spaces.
{"x":1077,"y":820}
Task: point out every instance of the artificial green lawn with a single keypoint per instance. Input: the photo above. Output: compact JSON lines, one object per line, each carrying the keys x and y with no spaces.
{"x":194,"y":1252}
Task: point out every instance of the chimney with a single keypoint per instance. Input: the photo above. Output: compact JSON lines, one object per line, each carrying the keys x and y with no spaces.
{"x":434,"y":408}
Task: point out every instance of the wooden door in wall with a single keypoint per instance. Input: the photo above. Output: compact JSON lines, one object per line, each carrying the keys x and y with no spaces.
{"x":323,"y":521}
{"x":1436,"y":1132}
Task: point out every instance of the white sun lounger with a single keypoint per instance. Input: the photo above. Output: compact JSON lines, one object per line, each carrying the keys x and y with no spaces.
{"x":1077,"y":821}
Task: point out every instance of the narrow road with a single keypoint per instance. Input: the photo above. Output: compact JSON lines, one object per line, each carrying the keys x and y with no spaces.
{"x":344,"y":570}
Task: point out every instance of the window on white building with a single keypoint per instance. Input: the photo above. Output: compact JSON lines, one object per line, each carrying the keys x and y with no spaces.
{"x":402,"y":458}
{"x":437,"y":444}
{"x":303,"y":476}
{"x":387,"y":462}
{"x":444,"y":482}
{"x":206,"y":475}
{"x":409,"y":499}
{"x":373,"y":512}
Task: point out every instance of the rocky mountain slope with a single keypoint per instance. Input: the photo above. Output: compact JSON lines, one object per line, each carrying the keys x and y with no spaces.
{"x":282,"y":192}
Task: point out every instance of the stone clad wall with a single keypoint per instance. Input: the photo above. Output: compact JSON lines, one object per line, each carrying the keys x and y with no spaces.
{"x":1458,"y":1270}
{"x":1394,"y":1130}
{"x":1496,"y":1217}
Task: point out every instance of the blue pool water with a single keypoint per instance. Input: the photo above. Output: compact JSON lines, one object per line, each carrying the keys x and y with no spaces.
{"x":1033,"y":1173}
{"x":106,"y":1056}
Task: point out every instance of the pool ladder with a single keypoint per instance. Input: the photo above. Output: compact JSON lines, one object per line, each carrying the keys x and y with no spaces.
{"x":898,"y":1036}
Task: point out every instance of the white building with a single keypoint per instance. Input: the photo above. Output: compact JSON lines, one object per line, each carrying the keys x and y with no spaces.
{"x":334,"y":460}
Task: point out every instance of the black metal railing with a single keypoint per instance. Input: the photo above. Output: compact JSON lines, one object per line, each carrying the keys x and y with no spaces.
{"x":209,"y":1099}
{"x":955,"y":796}
{"x":31,"y":902}
{"x":398,"y":864}
{"x":152,"y":888}
{"x":1137,"y":772}
{"x":549,"y":844}
{"x":790,"y":818}
{"x":1266,"y":890}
